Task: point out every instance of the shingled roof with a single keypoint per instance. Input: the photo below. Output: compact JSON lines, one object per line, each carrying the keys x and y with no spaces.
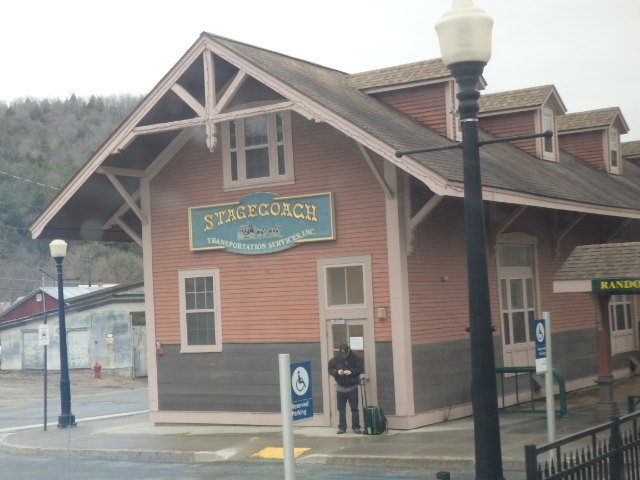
{"x":327,"y":95}
{"x":523,"y":99}
{"x":416,"y":72}
{"x":610,"y":260}
{"x":504,"y":167}
{"x":591,"y":120}
{"x":631,"y":149}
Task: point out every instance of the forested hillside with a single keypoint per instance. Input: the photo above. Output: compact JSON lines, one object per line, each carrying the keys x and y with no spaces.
{"x":42,"y":144}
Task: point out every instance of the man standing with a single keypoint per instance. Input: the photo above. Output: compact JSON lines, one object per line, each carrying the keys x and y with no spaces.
{"x":346,"y":368}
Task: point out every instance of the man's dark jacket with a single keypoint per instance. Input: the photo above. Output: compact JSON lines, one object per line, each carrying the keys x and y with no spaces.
{"x":352,"y":362}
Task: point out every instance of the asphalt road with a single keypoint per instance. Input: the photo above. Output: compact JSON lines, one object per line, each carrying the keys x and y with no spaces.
{"x":18,"y":467}
{"x":22,"y":397}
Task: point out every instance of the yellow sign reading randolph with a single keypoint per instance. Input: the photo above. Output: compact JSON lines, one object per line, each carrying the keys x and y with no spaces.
{"x":616,"y":284}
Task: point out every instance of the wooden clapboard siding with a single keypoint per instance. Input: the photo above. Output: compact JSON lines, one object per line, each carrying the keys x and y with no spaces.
{"x":426,"y":104}
{"x":267,"y":298}
{"x":439,"y":308}
{"x":510,"y":125}
{"x":588,"y":146}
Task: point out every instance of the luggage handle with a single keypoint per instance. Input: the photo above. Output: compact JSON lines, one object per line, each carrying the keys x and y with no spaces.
{"x":363,"y":379}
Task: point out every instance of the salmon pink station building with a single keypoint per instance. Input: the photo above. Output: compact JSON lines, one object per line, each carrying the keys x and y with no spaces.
{"x":274,"y":217}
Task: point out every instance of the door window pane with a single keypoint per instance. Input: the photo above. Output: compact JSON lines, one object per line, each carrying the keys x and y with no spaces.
{"x":517,"y":298}
{"x":345,"y":285}
{"x":507,"y":328}
{"x":519,"y":328}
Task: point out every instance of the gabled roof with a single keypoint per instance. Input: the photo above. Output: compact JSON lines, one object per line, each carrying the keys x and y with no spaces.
{"x":592,"y":120}
{"x":586,"y":263}
{"x":198,"y":93}
{"x":522,"y":99}
{"x":410,"y":73}
{"x":132,"y":292}
{"x":68,"y":292}
{"x":631,"y":149}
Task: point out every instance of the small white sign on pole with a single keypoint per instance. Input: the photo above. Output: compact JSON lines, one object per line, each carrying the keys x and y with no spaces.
{"x":540,"y":329}
{"x":43,"y":335}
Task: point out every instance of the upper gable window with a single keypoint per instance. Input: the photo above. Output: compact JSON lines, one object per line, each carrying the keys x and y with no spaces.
{"x":548,"y":144}
{"x":614,"y":157}
{"x":257,"y":150}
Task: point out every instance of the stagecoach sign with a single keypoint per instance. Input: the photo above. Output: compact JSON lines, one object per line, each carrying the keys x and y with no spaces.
{"x":262,"y":223}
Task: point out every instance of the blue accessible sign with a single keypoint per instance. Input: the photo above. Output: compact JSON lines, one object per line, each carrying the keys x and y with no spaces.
{"x":301,"y":393}
{"x":539,"y":327}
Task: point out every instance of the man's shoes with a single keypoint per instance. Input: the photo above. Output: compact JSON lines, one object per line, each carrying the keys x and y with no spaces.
{"x":341,"y":431}
{"x":357,"y":431}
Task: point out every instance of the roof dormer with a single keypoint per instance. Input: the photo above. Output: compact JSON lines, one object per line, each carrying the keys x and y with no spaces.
{"x":524,"y":112}
{"x":594,"y":137}
{"x":425,"y":90}
{"x":631,"y":151}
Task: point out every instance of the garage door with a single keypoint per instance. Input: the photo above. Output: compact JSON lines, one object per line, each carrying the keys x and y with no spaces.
{"x":32,"y":351}
{"x":78,"y":348}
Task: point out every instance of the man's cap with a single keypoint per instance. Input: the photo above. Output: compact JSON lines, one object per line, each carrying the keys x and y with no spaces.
{"x":343,"y":347}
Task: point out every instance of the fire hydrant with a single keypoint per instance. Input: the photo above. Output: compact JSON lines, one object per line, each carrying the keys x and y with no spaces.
{"x":97,"y":368}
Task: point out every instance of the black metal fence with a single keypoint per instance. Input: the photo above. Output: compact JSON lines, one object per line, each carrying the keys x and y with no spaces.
{"x":610,"y":451}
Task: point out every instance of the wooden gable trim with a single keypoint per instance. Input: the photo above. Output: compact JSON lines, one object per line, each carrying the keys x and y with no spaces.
{"x":316,"y":111}
{"x":376,"y":173}
{"x":559,"y":234}
{"x":127,"y":197}
{"x":621,"y":226}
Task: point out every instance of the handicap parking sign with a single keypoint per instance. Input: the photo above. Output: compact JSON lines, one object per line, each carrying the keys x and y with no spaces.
{"x":301,"y":392}
{"x":541,"y":345}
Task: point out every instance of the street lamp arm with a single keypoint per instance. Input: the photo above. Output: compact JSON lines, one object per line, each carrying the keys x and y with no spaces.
{"x":545,"y":134}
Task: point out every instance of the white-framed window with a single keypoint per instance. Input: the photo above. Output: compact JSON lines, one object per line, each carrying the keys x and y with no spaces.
{"x":453,"y":120}
{"x":345,"y":285}
{"x":200,"y":322}
{"x":614,"y":151}
{"x":257,"y":150}
{"x":549,"y":150}
{"x":518,"y":302}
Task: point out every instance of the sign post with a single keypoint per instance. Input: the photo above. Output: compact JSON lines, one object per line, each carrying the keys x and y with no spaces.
{"x":287,"y":419}
{"x":544,"y":365}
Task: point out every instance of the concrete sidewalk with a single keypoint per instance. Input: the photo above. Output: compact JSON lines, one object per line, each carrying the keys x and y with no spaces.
{"x":446,"y":446}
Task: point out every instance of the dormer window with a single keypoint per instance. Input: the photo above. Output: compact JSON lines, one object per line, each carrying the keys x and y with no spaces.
{"x":257,"y":151}
{"x":614,"y":157}
{"x":548,"y":144}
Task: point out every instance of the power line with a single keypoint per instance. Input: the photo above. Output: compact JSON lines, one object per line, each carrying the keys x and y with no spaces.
{"x":28,"y":180}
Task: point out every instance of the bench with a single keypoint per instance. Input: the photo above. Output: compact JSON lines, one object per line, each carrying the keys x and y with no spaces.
{"x":632,"y":403}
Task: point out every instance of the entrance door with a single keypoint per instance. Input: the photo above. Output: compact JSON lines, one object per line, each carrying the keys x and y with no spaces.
{"x":621,"y":318}
{"x":517,"y":303}
{"x":347,"y":317}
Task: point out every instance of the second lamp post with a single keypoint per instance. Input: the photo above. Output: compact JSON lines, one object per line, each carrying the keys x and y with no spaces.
{"x":66,"y":419}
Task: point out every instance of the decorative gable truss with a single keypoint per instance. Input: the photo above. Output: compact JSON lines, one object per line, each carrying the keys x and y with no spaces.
{"x":210,"y":85}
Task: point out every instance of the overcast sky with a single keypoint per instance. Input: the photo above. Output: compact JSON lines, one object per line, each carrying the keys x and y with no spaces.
{"x":589,"y":49}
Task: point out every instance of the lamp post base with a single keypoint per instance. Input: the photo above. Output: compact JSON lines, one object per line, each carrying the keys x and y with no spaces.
{"x":66,"y":420}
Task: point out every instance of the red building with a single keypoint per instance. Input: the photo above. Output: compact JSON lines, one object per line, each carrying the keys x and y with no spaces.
{"x":275,"y":217}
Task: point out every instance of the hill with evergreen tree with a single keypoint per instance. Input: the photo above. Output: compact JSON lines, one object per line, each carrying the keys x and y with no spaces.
{"x":43,"y":143}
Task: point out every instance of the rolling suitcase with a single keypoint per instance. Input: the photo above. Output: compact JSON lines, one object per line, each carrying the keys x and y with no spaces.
{"x":375,"y":422}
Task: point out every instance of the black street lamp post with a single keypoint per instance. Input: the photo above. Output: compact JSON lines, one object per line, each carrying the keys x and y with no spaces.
{"x":66,"y":419}
{"x":465,"y":43}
